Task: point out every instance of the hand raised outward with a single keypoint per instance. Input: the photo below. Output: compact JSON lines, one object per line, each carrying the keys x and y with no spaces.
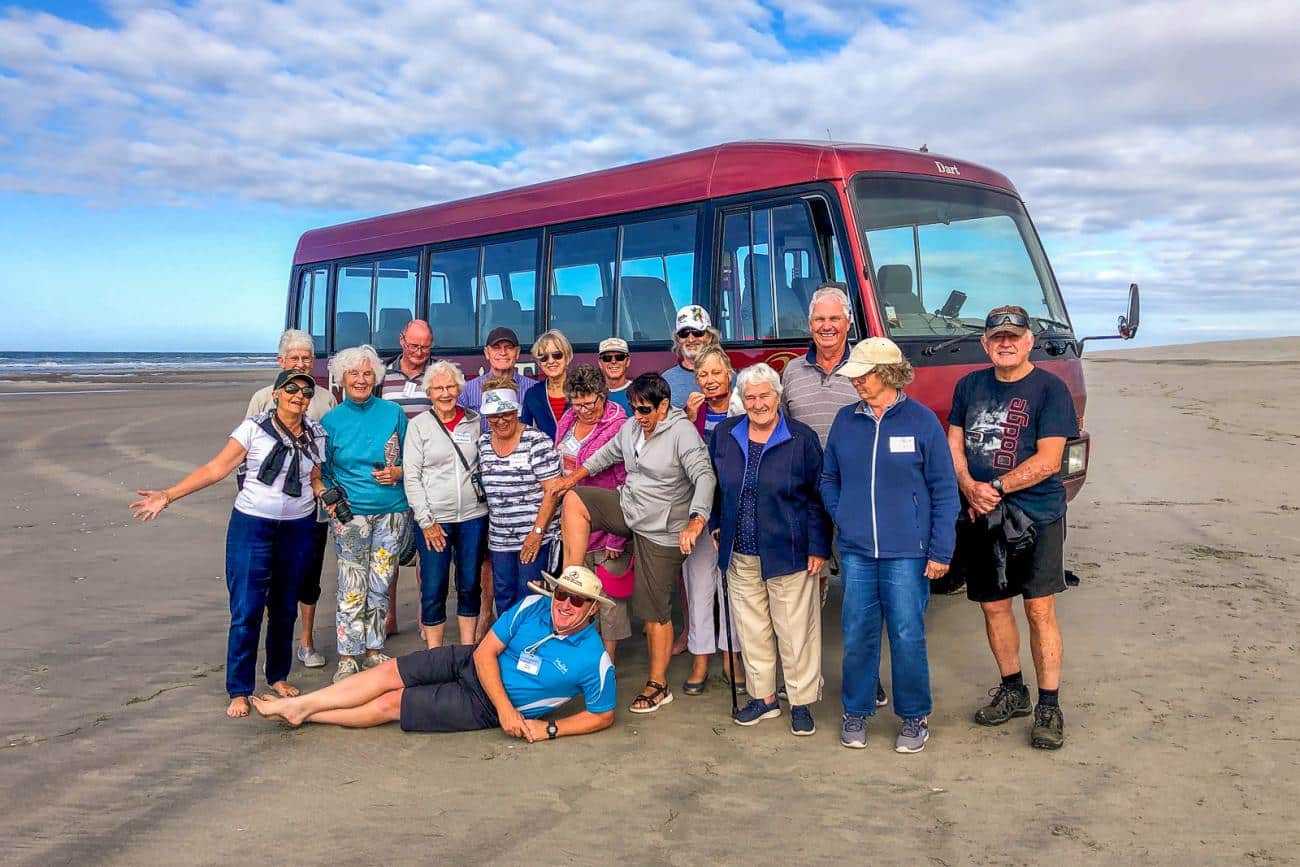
{"x":815,"y":564}
{"x":514,"y":724}
{"x":151,"y":506}
{"x":982,"y":498}
{"x":934,"y":571}
{"x":686,"y":538}
{"x":694,"y":401}
{"x":435,"y":537}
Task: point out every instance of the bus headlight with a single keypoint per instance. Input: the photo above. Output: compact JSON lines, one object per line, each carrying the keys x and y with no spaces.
{"x":1076,"y":458}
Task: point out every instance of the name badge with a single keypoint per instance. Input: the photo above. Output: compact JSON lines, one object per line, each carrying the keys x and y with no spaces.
{"x":902,"y":444}
{"x":410,"y":390}
{"x":463,"y":436}
{"x":529,"y":663}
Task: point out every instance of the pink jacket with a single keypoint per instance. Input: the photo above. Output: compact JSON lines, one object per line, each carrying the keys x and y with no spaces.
{"x":610,"y":478}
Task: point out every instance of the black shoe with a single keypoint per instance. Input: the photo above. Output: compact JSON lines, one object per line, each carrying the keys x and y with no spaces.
{"x":881,"y":698}
{"x":1006,"y":703}
{"x":1049,"y":728}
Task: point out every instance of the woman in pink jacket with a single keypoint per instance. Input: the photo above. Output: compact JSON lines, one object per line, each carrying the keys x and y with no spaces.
{"x":592,"y":420}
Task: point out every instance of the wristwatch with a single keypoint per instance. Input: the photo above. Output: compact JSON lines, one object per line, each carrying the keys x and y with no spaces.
{"x":537,"y":530}
{"x":552,"y":730}
{"x":996,"y":484}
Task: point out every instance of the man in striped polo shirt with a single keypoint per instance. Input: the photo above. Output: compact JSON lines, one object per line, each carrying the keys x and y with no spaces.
{"x":402,"y":379}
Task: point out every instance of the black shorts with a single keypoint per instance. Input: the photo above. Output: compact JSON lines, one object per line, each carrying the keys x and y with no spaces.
{"x":441,"y":692}
{"x":309,"y":590}
{"x":1034,"y":572}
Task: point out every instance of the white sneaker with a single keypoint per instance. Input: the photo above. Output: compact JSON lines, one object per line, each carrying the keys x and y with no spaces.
{"x":310,"y":656}
{"x":373,"y":659}
{"x":347,"y":667}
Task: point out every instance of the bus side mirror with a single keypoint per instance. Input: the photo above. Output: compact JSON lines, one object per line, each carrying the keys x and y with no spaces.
{"x":1128,"y":323}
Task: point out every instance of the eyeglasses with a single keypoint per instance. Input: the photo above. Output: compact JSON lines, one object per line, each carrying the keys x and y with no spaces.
{"x":562,"y":595}
{"x":1006,"y":317}
{"x":586,"y":405}
{"x":418,"y":347}
{"x":642,"y":408}
{"x":611,"y":357}
{"x":502,"y":418}
{"x":294,"y":388}
{"x":550,"y":356}
{"x":691,"y":332}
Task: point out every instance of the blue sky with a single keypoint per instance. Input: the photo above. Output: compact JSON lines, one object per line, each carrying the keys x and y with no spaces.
{"x":158,"y":161}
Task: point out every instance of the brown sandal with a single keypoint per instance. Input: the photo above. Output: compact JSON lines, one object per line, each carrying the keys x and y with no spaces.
{"x":659,"y":697}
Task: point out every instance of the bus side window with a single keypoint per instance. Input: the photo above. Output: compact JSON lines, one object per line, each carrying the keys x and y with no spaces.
{"x":453,"y":277}
{"x":352,"y":305}
{"x":394,"y":301}
{"x":313,"y":287}
{"x":582,"y":274}
{"x":507,"y":292}
{"x":656,"y":275}
{"x":771,"y":265}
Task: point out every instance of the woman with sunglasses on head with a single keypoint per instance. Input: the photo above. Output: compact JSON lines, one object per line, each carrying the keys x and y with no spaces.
{"x":591,"y":421}
{"x":271,"y":533}
{"x":543,"y":407}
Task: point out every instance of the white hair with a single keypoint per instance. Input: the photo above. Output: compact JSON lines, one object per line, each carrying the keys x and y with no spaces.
{"x":442,"y":368}
{"x":295,"y":339}
{"x":757,"y":374}
{"x":355,"y":358}
{"x":831,"y":292}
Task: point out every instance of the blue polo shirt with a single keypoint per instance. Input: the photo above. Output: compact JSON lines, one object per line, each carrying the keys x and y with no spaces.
{"x":570,"y":664}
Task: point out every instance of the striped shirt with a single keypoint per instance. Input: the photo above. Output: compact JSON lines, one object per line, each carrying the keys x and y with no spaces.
{"x":403,"y":390}
{"x":514,"y":490}
{"x":471,"y":396}
{"x":813,"y":396}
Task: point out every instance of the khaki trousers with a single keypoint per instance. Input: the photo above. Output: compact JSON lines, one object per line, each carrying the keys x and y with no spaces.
{"x":780,"y":613}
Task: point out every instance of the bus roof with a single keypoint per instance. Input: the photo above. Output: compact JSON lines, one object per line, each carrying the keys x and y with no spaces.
{"x":727,"y":169}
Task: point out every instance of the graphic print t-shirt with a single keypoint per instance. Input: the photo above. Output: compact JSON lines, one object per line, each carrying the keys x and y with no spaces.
{"x":1003,"y":422}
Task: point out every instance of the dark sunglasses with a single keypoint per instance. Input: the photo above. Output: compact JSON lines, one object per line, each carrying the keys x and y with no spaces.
{"x":610,"y":357}
{"x":642,"y":408}
{"x":691,"y":332}
{"x":550,"y":356}
{"x":294,"y":388}
{"x":1006,"y":318}
{"x":561,"y":595}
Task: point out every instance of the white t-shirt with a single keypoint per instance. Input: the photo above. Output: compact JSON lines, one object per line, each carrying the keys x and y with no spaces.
{"x":270,"y":501}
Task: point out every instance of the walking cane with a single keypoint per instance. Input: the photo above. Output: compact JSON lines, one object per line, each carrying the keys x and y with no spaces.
{"x":731,"y":653}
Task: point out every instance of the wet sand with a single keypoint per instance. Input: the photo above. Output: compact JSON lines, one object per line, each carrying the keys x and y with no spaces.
{"x":1180,"y":690}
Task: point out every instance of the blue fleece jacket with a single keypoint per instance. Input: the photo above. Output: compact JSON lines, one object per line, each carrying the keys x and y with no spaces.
{"x":791,"y":523}
{"x":362,"y":435}
{"x":890,"y":487}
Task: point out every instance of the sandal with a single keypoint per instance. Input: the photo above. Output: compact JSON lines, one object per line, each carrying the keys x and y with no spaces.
{"x":652,"y":702}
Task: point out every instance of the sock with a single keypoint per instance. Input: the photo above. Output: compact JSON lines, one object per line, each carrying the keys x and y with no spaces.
{"x":1049,"y":697}
{"x":1014,"y":681}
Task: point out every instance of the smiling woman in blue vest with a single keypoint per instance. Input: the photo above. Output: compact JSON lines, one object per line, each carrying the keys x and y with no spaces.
{"x":773,"y":538}
{"x":889,"y":485}
{"x":271,"y":533}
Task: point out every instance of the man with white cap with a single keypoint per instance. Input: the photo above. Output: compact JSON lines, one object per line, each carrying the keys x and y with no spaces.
{"x":692,"y":334}
{"x":1007,"y":432}
{"x":534,"y":660}
{"x":615,"y":359}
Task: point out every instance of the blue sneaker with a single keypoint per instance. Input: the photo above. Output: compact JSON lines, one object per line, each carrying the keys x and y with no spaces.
{"x":912,"y":736}
{"x":801,"y":721}
{"x":755,"y":711}
{"x":853,"y":732}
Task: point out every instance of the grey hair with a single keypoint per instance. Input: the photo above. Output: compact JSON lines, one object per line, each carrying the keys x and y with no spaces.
{"x":715,"y":339}
{"x":295,"y":339}
{"x":585,"y":379}
{"x":442,"y":368}
{"x":355,"y":358}
{"x":831,"y":292}
{"x":757,"y":374}
{"x":557,"y":337}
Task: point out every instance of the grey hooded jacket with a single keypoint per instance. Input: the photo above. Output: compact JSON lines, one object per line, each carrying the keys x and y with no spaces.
{"x":671,"y":480}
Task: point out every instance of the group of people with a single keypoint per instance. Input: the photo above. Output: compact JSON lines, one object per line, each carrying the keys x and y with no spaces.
{"x":739,"y":492}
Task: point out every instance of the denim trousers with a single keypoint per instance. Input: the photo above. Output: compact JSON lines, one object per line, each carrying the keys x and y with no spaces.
{"x":897,"y":592}
{"x":266,"y":561}
{"x":510,"y":577}
{"x":466,"y":542}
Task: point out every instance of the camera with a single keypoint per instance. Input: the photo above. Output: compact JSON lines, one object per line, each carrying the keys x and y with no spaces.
{"x":339,"y":500}
{"x":476,"y":481}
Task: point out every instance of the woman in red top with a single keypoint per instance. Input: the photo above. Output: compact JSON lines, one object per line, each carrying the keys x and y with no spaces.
{"x":543,"y":407}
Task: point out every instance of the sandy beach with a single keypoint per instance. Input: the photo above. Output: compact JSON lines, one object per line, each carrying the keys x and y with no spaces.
{"x":1181,"y":690}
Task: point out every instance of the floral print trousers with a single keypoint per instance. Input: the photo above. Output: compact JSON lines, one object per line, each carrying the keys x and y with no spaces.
{"x":368,"y":547}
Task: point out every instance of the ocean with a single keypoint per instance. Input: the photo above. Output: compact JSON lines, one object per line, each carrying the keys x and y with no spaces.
{"x":111,"y":364}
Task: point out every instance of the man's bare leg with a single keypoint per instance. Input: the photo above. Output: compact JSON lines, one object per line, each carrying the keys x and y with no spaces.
{"x":384,"y":709}
{"x":1003,"y":634}
{"x":1044,"y":641}
{"x":351,"y":692}
{"x":575,"y":529}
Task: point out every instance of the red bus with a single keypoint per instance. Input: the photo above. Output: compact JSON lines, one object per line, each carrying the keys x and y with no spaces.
{"x":925,"y":244}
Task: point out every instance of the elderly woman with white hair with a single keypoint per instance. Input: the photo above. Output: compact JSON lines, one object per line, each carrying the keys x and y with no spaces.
{"x":440,"y":466}
{"x":366,"y":499}
{"x":773,"y":538}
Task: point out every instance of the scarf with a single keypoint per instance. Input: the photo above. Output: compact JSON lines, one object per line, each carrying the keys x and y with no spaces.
{"x":287,"y":447}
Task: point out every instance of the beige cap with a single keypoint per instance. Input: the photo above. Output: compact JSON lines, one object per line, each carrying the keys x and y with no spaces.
{"x":613,"y":344}
{"x":869,"y":354}
{"x":578,"y":580}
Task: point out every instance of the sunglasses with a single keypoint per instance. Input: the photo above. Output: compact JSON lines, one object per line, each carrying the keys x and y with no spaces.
{"x":611,"y":357}
{"x":642,"y":408}
{"x":561,"y":595}
{"x":1006,"y":318}
{"x":691,"y":332}
{"x":550,"y":356}
{"x":294,"y":388}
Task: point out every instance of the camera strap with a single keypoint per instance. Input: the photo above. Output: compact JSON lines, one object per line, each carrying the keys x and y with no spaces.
{"x":464,"y":463}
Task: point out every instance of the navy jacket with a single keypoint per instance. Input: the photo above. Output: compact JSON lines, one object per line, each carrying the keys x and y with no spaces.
{"x":791,"y":523}
{"x":890,"y":487}
{"x":536,"y":410}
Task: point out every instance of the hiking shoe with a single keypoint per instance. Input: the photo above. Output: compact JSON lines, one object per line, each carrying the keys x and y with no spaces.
{"x":881,"y":698}
{"x":801,"y":721}
{"x":912,"y":736}
{"x":347,"y":667}
{"x":310,"y":656}
{"x":1006,"y":703}
{"x":853,"y":732}
{"x":1049,"y":728}
{"x":755,"y":711}
{"x":373,"y":659}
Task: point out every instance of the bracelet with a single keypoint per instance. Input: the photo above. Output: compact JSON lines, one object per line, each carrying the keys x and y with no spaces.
{"x":167,"y":498}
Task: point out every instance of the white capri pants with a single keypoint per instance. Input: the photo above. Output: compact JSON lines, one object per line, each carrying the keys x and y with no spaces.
{"x":704,"y":599}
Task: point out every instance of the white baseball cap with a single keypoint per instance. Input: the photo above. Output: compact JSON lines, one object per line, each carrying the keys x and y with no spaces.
{"x":693,"y":316}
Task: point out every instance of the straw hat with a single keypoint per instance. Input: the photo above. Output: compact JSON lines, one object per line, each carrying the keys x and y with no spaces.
{"x":578,"y":580}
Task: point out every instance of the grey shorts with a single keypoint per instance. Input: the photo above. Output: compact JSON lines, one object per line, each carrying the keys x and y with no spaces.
{"x":657,"y":566}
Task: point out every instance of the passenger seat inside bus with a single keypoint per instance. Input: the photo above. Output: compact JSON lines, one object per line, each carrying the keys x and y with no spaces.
{"x":576,"y":320}
{"x":391,"y":322}
{"x":452,"y":324}
{"x":895,"y":284}
{"x":507,"y":312}
{"x":351,"y":329}
{"x":647,"y":309}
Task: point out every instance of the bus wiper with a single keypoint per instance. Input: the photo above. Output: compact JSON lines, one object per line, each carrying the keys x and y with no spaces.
{"x":935,"y":347}
{"x":1051,"y":325}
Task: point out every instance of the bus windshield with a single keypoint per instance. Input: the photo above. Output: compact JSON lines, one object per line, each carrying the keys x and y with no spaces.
{"x":945,"y":254}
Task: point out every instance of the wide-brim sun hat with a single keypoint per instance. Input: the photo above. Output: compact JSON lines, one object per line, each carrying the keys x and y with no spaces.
{"x":578,"y":580}
{"x":499,"y":401}
{"x":870,"y":354}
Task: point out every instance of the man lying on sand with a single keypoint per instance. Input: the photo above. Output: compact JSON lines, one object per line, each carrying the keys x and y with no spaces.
{"x":534,"y":659}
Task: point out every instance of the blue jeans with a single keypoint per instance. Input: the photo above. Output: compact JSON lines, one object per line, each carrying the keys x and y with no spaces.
{"x":465,"y":544}
{"x":266,"y":562}
{"x":510,"y":577}
{"x":898,"y":592}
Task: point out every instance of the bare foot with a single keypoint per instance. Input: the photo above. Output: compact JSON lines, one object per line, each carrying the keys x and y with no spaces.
{"x":281,"y":708}
{"x":238,"y":707}
{"x":284,"y":689}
